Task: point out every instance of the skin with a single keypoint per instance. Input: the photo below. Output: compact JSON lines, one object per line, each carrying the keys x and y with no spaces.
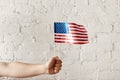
{"x":24,"y":70}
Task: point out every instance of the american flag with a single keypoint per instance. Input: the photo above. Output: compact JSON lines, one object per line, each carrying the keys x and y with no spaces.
{"x":71,"y":33}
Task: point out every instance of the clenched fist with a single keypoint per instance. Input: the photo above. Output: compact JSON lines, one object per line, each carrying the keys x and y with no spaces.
{"x":53,"y":65}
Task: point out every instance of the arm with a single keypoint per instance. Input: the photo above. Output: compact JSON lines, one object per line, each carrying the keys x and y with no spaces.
{"x":23,"y":70}
{"x":17,"y":69}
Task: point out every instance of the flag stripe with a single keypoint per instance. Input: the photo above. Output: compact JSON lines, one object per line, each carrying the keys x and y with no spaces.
{"x":75,"y":24}
{"x":77,"y":39}
{"x":77,"y":33}
{"x":77,"y":27}
{"x":74,"y":36}
{"x":72,"y":42}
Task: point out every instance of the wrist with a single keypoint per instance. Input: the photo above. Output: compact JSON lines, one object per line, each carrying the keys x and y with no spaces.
{"x":45,"y":69}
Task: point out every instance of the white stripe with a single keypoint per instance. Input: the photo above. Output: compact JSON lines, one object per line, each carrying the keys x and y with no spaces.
{"x":70,"y":34}
{"x":77,"y":37}
{"x":70,"y":38}
{"x":71,"y":41}
{"x":77,"y":32}
{"x":75,"y":25}
{"x":77,"y":29}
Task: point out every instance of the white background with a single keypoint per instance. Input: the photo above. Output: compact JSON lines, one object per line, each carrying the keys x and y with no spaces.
{"x":26,"y":35}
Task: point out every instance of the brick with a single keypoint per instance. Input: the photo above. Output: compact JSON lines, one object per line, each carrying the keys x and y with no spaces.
{"x":88,"y":53}
{"x":2,"y":49}
{"x":103,"y":66}
{"x":115,"y":37}
{"x":6,"y":51}
{"x":116,"y":65}
{"x":104,"y":41}
{"x":77,"y":72}
{"x":116,"y":46}
{"x":4,"y":2}
{"x":23,"y":9}
{"x":116,"y":27}
{"x":92,"y":37}
{"x":1,"y":39}
{"x":17,"y":2}
{"x":116,"y":55}
{"x":104,"y":56}
{"x":109,"y":75}
{"x":6,"y":11}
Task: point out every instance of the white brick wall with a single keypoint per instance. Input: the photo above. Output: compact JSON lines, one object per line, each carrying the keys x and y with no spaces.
{"x":26,"y":34}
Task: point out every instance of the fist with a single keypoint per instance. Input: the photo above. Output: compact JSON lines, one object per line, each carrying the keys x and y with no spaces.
{"x":54,"y":65}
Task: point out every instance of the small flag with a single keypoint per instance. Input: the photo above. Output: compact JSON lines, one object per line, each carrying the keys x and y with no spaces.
{"x":71,"y":33}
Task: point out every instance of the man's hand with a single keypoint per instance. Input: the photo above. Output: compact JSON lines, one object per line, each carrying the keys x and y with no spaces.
{"x":53,"y":65}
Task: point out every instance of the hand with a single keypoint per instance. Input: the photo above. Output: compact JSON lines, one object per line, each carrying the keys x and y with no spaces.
{"x":53,"y":65}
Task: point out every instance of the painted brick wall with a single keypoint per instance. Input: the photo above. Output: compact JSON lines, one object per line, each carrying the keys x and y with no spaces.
{"x":26,"y":35}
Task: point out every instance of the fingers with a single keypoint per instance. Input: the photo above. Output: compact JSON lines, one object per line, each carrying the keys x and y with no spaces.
{"x":57,"y":59}
{"x":58,"y":65}
{"x":57,"y":69}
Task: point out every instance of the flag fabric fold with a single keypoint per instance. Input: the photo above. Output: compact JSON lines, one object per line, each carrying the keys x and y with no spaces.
{"x":71,"y":33}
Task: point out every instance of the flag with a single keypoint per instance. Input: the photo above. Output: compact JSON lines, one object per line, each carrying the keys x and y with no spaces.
{"x":71,"y":33}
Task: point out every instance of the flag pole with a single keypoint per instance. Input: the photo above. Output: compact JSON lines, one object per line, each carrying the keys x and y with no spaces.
{"x":54,"y":44}
{"x":54,"y":49}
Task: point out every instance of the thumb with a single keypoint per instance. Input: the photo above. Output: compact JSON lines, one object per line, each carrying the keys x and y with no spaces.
{"x":52,"y":60}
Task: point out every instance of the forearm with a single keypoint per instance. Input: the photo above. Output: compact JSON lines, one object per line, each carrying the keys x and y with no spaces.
{"x":22,"y":70}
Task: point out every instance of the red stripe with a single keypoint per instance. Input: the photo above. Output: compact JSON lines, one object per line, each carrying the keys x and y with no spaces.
{"x":75,"y":24}
{"x":78,"y":30}
{"x":74,"y":36}
{"x":77,"y":33}
{"x":77,"y":27}
{"x":72,"y":42}
{"x":77,"y":39}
